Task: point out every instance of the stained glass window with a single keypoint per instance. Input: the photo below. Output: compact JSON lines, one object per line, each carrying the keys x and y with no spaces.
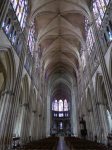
{"x":99,"y":8}
{"x":107,"y":1}
{"x":61,"y":125}
{"x":82,"y":57}
{"x":65,"y":105}
{"x":20,"y":7}
{"x":37,"y":58}
{"x":52,"y":105}
{"x":68,"y":105}
{"x":31,"y":38}
{"x":110,"y":36}
{"x":89,"y":36}
{"x":61,"y":115}
{"x":7,"y":26}
{"x":55,"y":105}
{"x":60,"y":105}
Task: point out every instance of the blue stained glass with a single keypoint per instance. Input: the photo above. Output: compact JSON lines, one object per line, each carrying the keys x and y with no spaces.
{"x":107,"y":1}
{"x":110,"y":36}
{"x":7,"y":29}
{"x":3,"y":24}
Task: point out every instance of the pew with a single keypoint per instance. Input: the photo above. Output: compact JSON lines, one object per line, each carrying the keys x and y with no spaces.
{"x":46,"y":144}
{"x":77,"y":143}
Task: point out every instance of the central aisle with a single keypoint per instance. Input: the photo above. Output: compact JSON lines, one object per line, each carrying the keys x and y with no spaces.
{"x":62,"y":144}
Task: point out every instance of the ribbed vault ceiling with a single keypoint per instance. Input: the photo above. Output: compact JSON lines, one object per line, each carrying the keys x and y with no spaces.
{"x":60,"y":30}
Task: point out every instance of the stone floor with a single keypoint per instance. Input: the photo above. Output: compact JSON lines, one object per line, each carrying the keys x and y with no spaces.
{"x":62,"y":144}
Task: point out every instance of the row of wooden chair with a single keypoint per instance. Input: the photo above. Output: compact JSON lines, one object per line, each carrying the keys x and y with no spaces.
{"x":77,"y":143}
{"x":44,"y":144}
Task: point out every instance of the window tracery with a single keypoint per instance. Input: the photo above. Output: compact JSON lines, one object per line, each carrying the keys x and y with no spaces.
{"x":37,"y":58}
{"x":99,"y":8}
{"x":20,"y":7}
{"x":55,"y":105}
{"x":65,"y":105}
{"x":60,"y":105}
{"x":82,"y":57}
{"x":89,"y":36}
{"x":31,"y":38}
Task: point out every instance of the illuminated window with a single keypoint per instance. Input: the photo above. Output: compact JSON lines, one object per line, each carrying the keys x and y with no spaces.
{"x":55,"y":105}
{"x":99,"y":8}
{"x":109,"y":34}
{"x":89,"y":36}
{"x":68,"y":105}
{"x":60,"y":105}
{"x":52,"y":105}
{"x":61,"y":125}
{"x":61,"y":115}
{"x":65,"y":105}
{"x":82,"y":57}
{"x":31,"y":38}
{"x":7,"y":26}
{"x":20,"y":7}
{"x":37,"y":58}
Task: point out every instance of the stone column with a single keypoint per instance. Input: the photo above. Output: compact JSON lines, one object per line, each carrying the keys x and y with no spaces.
{"x":48,"y":115}
{"x":7,"y":95}
{"x":23,"y":135}
{"x":31,"y":104}
{"x":76,"y":118}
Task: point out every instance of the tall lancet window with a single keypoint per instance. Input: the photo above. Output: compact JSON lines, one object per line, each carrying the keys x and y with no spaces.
{"x":65,"y":105}
{"x":55,"y":105}
{"x":31,"y":38}
{"x":89,"y":36}
{"x":37,"y":58}
{"x":82,"y":57}
{"x":20,"y":7}
{"x":60,"y":105}
{"x":99,"y":8}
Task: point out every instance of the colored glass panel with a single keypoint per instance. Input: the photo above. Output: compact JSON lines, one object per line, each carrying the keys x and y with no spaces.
{"x":89,"y":36}
{"x":37,"y":58}
{"x":3,"y":24}
{"x":68,"y":105}
{"x":107,"y":1}
{"x":31,"y":39}
{"x":20,"y":6}
{"x":82,"y":57}
{"x":61,"y":115}
{"x":100,"y":8}
{"x":96,"y":15}
{"x":61,"y":125}
{"x":110,"y":36}
{"x":60,"y":105}
{"x":65,"y":105}
{"x":55,"y":105}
